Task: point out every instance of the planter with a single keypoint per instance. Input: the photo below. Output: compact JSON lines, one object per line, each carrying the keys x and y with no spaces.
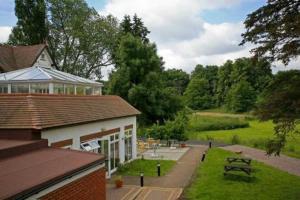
{"x":119,"y":183}
{"x":182,"y":145}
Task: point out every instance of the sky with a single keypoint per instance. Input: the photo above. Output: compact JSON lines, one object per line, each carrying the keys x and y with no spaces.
{"x":186,"y":32}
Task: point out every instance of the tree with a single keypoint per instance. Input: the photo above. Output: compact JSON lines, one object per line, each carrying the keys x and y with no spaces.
{"x":176,"y":78}
{"x":197,"y":95}
{"x":275,"y":29}
{"x":224,"y":82}
{"x":80,"y":40}
{"x":280,"y":102}
{"x":31,"y":26}
{"x":135,"y":27}
{"x":241,"y":97}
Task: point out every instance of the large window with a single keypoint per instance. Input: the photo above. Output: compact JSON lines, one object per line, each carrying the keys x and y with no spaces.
{"x":128,"y":144}
{"x":80,"y":90}
{"x":39,"y":88}
{"x":3,"y":88}
{"x":69,"y":89}
{"x":58,"y":88}
{"x":114,"y":151}
{"x":97,"y":91}
{"x":88,"y":90}
{"x":20,"y":88}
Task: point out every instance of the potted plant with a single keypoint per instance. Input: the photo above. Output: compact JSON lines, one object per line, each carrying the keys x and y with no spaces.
{"x":119,"y":181}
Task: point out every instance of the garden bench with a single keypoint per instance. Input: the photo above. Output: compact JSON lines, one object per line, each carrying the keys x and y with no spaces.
{"x":244,"y":168}
{"x":239,"y":160}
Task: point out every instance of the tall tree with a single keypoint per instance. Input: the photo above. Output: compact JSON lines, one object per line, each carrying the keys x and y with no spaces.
{"x":176,"y":78}
{"x":280,"y":102}
{"x":80,"y":40}
{"x":224,"y":81}
{"x":275,"y":29}
{"x":31,"y":26}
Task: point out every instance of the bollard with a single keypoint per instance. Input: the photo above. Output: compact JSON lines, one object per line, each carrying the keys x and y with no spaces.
{"x":158,"y":169}
{"x":203,"y":157}
{"x":210,"y":144}
{"x":142,"y":179}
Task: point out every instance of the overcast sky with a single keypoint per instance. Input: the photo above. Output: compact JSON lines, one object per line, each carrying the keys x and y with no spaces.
{"x":187,"y":32}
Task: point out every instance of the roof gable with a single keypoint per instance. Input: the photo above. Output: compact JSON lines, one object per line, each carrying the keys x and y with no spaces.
{"x":19,"y":57}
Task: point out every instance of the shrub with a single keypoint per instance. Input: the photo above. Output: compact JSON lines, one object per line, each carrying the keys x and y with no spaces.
{"x":207,"y":123}
{"x":235,"y":139}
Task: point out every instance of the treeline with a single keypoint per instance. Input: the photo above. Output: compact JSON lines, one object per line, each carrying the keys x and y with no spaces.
{"x":235,"y":85}
{"x":82,"y":42}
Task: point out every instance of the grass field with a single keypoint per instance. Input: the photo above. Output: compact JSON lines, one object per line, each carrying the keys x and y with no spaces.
{"x":255,"y":135}
{"x":149,"y":167}
{"x":267,"y":183}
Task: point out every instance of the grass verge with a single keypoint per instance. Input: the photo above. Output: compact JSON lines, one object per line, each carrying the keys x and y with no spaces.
{"x":149,"y":167}
{"x":268,"y":183}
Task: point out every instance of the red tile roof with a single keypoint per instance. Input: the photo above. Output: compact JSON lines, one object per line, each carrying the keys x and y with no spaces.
{"x":32,"y":171}
{"x":19,"y":57}
{"x":46,"y":111}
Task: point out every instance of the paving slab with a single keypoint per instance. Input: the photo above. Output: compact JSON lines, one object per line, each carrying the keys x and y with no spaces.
{"x":282,"y":162}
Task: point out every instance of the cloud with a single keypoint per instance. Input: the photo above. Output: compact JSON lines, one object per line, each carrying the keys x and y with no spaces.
{"x":4,"y":33}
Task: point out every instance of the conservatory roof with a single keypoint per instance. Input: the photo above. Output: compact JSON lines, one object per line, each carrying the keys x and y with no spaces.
{"x":39,"y":73}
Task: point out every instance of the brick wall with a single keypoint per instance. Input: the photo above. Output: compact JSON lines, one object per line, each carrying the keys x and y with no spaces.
{"x":89,"y":187}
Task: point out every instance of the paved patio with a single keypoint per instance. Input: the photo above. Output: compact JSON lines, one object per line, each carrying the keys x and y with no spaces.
{"x":167,"y":187}
{"x":164,"y":153}
{"x":282,"y":162}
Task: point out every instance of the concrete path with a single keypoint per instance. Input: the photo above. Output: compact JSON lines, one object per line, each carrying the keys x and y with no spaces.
{"x":179,"y":176}
{"x":133,"y":192}
{"x":282,"y":162}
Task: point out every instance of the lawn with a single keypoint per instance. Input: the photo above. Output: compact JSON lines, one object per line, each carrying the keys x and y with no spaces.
{"x":149,"y":167}
{"x":255,"y":135}
{"x":267,"y":183}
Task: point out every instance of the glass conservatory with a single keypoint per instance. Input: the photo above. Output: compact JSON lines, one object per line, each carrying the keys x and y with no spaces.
{"x":47,"y":80}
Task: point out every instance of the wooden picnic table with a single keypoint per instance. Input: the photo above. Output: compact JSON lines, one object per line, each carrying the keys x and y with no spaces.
{"x":239,"y":160}
{"x":244,"y":168}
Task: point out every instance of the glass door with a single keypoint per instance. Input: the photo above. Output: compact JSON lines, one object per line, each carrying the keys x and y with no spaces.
{"x":114,"y":152}
{"x":128,"y":145}
{"x":104,"y":149}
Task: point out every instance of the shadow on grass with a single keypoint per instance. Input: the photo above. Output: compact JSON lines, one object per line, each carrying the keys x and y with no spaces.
{"x":240,"y":178}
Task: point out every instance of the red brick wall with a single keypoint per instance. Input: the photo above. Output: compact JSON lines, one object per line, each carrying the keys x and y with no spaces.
{"x":89,"y":187}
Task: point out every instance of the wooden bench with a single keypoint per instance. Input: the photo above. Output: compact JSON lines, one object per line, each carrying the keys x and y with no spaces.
{"x":244,"y":168}
{"x":239,"y":160}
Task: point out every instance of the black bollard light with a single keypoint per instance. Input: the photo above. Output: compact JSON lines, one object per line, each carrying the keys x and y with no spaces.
{"x":142,"y":179}
{"x":210,"y":144}
{"x":158,"y":169}
{"x":203,"y":157}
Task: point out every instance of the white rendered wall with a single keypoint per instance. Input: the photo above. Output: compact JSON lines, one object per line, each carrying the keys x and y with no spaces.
{"x":75,"y":132}
{"x":47,"y":62}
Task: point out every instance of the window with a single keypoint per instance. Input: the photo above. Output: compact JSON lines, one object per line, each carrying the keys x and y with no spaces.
{"x":20,"y":88}
{"x":58,"y":88}
{"x":43,"y":57}
{"x":39,"y":88}
{"x":80,"y":90}
{"x":92,"y":145}
{"x":97,"y":91}
{"x":88,"y":90}
{"x":69,"y":89}
{"x":3,"y":88}
{"x":128,"y":144}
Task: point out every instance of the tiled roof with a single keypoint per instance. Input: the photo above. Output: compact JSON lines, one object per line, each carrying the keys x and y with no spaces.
{"x":19,"y":57}
{"x":39,"y":167}
{"x":46,"y":111}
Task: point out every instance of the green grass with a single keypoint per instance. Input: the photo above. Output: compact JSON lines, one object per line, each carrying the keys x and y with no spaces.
{"x":255,"y":135}
{"x":204,"y":123}
{"x":149,"y":167}
{"x":267,"y":183}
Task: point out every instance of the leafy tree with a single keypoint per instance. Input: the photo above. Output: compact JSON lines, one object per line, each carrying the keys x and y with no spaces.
{"x":197,"y":95}
{"x":241,"y":97}
{"x":80,"y":40}
{"x":280,"y":102}
{"x":275,"y":29}
{"x":31,"y":26}
{"x":224,"y":82}
{"x":176,"y":78}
